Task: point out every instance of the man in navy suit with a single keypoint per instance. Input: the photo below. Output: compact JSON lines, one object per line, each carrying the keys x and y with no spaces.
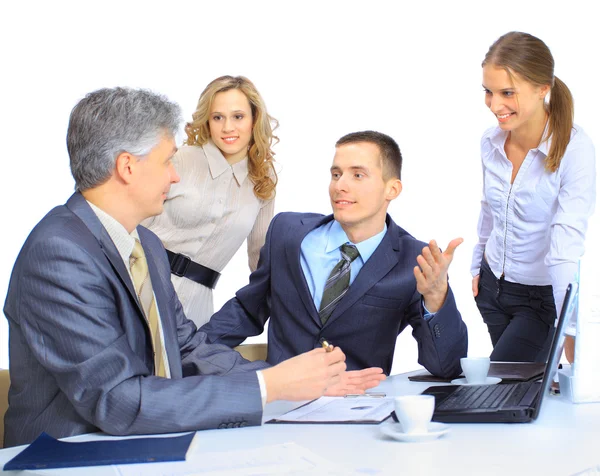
{"x":97,"y":337}
{"x":386,"y":292}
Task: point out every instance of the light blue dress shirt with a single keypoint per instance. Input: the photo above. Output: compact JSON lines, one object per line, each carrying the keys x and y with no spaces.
{"x":320,"y":252}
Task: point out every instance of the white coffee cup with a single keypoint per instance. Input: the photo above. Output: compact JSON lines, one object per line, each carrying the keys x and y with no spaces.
{"x":414,"y":412}
{"x":475,"y":368}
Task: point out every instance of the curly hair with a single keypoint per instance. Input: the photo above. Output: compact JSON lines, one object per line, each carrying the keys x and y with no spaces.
{"x":261,"y":169}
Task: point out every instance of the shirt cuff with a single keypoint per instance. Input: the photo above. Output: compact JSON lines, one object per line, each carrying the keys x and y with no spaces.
{"x":263,"y":388}
{"x":426,"y":314}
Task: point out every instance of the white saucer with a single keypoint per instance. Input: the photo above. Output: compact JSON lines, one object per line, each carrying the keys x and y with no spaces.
{"x":488,"y":381}
{"x":434,"y":430}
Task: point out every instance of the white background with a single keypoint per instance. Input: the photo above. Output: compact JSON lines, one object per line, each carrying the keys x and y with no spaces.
{"x":409,"y":69}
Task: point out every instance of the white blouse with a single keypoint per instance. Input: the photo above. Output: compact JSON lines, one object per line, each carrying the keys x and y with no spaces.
{"x":207,"y":216}
{"x":533,"y":231}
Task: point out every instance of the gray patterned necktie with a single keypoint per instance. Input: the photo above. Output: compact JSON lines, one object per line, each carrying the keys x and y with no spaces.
{"x":338,"y":282}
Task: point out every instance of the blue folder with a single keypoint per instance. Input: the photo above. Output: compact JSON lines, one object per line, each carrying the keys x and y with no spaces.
{"x":47,"y":452}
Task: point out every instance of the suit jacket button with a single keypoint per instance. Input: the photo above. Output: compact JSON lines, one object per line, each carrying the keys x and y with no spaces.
{"x":243,"y":424}
{"x":236,"y":424}
{"x":229,"y":425}
{"x":221,"y":426}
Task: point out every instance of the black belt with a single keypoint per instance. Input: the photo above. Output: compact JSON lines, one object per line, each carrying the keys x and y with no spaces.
{"x":183,"y":266}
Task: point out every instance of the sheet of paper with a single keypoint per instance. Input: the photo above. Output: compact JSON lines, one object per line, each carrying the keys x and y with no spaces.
{"x":282,"y":459}
{"x":339,"y":409}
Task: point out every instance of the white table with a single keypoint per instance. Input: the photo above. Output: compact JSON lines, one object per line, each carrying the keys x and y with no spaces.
{"x":564,"y":440}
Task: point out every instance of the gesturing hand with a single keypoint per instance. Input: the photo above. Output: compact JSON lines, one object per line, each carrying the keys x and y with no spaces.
{"x":432,"y":273}
{"x":356,"y":381}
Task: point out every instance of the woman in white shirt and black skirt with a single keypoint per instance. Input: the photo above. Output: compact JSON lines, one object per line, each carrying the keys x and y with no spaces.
{"x":538,"y":194}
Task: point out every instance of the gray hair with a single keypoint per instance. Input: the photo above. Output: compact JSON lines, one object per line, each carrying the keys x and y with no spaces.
{"x":108,"y":122}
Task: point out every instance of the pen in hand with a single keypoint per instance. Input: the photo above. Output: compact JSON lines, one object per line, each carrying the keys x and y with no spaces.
{"x":326,"y":345}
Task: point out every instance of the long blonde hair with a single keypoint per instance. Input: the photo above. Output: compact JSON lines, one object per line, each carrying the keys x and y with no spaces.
{"x":261,"y":169}
{"x":530,"y":58}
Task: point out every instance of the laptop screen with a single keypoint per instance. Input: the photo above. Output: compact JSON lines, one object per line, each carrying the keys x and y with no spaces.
{"x":557,"y":344}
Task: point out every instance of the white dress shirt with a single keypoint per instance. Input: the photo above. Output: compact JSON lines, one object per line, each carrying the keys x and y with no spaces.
{"x":533,"y":230}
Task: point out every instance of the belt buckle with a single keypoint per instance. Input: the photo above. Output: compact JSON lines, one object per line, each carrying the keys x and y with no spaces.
{"x":180,"y":264}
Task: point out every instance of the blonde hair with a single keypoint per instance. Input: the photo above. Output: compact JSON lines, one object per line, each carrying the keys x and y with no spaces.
{"x":530,"y":58}
{"x":261,"y":169}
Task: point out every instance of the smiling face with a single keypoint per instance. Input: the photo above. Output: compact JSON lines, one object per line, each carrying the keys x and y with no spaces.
{"x":358,"y":192}
{"x":516,"y":103}
{"x":230,"y":124}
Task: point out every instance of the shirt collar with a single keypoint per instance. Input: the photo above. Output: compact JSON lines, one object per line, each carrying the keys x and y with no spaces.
{"x":498,"y":138}
{"x":123,"y":241}
{"x":218,"y":165}
{"x":336,"y":237}
{"x":240,"y":170}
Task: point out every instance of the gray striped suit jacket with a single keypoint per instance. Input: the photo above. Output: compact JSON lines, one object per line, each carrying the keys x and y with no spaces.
{"x":80,"y":350}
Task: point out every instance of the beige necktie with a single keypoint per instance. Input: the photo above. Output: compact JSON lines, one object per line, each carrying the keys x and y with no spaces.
{"x":143,"y":288}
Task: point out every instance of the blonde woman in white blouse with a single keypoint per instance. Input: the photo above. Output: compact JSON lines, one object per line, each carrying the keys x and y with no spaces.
{"x":538,"y":194}
{"x":226,"y":193}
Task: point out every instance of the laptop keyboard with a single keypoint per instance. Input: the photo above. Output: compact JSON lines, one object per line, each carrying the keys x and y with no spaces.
{"x":485,"y":396}
{"x":520,"y":391}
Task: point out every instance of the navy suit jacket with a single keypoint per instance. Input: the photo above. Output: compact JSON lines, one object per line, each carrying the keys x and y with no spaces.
{"x":379,"y":304}
{"x":80,"y":349}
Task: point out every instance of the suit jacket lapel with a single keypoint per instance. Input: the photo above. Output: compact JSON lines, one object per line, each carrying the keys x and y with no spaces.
{"x":379,"y":264}
{"x":294,"y":240}
{"x":79,"y":206}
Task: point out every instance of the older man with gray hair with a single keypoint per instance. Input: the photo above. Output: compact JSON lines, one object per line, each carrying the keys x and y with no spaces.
{"x":97,"y":337}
